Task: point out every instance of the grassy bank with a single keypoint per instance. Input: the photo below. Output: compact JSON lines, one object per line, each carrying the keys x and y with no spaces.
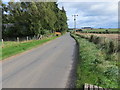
{"x":12,"y":48}
{"x":94,"y":67}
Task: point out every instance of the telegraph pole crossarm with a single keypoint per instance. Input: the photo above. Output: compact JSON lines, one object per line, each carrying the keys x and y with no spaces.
{"x":74,"y":16}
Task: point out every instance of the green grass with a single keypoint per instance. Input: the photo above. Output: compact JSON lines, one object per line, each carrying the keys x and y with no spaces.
{"x":93,"y":68}
{"x":10,"y":43}
{"x":12,"y":48}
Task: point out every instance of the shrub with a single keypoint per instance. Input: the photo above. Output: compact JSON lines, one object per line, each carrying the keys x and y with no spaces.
{"x":97,"y":40}
{"x":91,"y":38}
{"x":111,"y":47}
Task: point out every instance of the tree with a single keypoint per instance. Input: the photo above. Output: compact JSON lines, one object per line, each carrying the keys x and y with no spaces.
{"x":33,"y":18}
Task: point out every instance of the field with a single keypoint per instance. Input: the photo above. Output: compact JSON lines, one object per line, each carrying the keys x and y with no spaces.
{"x":12,"y":48}
{"x":111,"y":36}
{"x":98,"y":61}
{"x":101,"y":30}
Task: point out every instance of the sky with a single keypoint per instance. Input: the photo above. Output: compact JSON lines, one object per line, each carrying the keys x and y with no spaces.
{"x":92,"y":14}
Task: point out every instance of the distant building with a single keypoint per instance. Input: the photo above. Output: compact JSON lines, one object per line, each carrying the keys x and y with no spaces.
{"x":89,"y":28}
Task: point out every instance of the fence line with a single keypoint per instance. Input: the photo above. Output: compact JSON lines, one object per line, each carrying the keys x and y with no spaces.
{"x":26,"y":38}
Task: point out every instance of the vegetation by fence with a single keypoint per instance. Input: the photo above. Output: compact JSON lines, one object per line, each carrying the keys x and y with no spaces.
{"x":27,"y":38}
{"x":11,"y":47}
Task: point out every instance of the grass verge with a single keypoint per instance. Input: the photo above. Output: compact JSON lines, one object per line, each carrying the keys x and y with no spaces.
{"x":93,"y":68}
{"x":16,"y":48}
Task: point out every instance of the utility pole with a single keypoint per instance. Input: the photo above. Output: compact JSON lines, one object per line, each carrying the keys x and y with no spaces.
{"x":74,"y":16}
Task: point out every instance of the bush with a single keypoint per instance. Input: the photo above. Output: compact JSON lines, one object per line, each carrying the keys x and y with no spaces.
{"x":111,"y":47}
{"x":91,"y":38}
{"x":97,"y":40}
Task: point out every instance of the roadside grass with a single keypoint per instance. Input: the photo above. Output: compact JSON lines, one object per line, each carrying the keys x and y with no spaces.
{"x":10,"y":43}
{"x":93,"y":68}
{"x":12,"y":48}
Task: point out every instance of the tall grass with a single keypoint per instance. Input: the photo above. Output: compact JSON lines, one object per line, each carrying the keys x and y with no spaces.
{"x":93,"y":68}
{"x":111,"y":46}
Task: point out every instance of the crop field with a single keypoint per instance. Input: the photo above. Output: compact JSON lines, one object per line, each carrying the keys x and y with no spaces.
{"x":101,"y":30}
{"x":111,"y":36}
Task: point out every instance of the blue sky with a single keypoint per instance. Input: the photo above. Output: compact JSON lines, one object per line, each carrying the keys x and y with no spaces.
{"x":93,"y":14}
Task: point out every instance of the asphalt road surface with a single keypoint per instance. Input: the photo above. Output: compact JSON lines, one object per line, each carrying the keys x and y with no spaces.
{"x":47,"y":66}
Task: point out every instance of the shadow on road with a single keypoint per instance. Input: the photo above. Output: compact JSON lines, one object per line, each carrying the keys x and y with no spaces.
{"x":72,"y":77}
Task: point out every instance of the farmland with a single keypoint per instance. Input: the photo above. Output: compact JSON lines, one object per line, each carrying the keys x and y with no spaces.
{"x":110,"y":36}
{"x":101,"y":30}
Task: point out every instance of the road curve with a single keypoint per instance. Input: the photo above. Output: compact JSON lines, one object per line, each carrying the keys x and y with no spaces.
{"x":47,"y":66}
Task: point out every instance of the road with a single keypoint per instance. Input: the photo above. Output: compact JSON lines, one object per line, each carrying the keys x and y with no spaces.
{"x":47,"y":66}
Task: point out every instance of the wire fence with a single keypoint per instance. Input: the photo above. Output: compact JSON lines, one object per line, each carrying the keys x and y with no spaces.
{"x":24,"y":39}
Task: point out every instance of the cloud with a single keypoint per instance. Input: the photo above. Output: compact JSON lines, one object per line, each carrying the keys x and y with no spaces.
{"x":88,"y":0}
{"x":94,"y":14}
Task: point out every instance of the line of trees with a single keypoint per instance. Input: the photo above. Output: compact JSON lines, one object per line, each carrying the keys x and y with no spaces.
{"x":32,"y":18}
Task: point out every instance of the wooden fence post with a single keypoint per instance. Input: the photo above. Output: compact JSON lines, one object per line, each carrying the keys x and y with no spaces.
{"x":17,"y":39}
{"x":27,"y":38}
{"x":2,"y":42}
